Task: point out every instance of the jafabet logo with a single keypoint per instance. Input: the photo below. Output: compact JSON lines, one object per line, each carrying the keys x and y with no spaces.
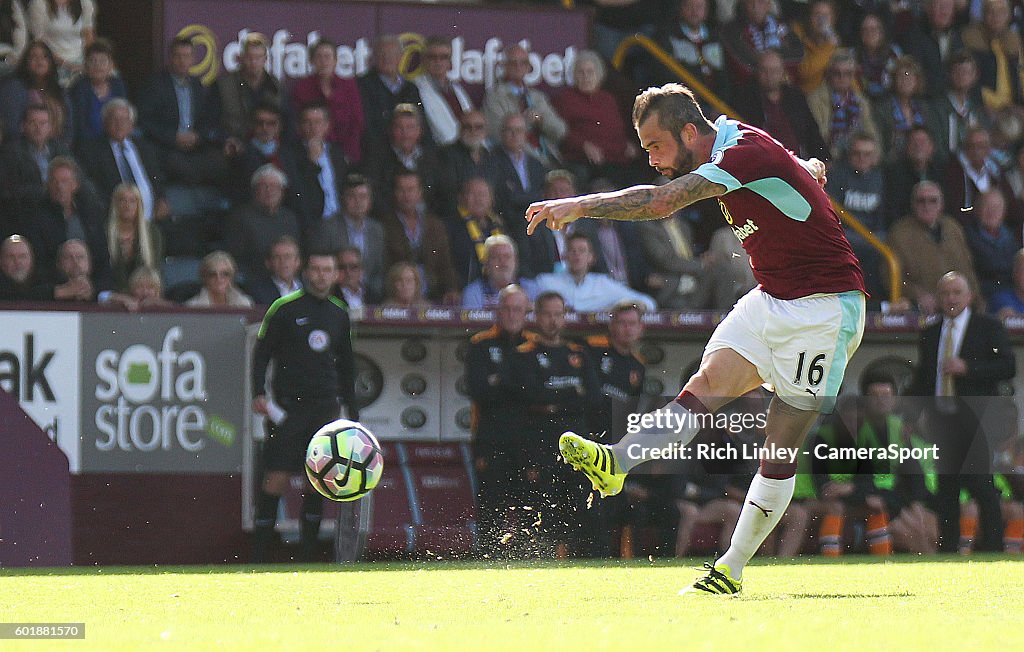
{"x":155,"y":400}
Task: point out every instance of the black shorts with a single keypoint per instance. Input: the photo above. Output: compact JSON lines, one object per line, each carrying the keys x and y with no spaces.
{"x":285,"y":446}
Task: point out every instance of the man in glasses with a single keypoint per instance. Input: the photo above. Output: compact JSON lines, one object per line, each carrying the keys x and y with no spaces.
{"x":444,"y":100}
{"x":928,"y":244}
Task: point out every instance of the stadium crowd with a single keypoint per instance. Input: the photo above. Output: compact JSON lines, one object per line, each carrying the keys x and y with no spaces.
{"x":212,"y":195}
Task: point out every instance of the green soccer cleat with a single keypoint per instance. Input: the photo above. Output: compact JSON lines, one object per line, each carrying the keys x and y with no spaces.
{"x":594,"y":460}
{"x":718,"y":581}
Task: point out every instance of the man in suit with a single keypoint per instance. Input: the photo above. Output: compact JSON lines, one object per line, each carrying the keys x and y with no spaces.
{"x":319,"y":169}
{"x":24,"y":162}
{"x":406,"y":151}
{"x":472,"y":155}
{"x":68,"y":213}
{"x":383,"y":88}
{"x":355,"y":227}
{"x":283,"y":264}
{"x":120,"y":157}
{"x":170,"y":112}
{"x":961,"y":361}
{"x":235,"y":95}
{"x":932,"y":41}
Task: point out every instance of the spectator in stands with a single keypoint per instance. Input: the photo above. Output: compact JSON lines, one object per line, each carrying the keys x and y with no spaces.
{"x":755,"y":30}
{"x":263,"y":147}
{"x":474,"y":222}
{"x":345,"y":107}
{"x":34,"y":82}
{"x":857,"y":182}
{"x":876,"y":56}
{"x":218,"y":271}
{"x":68,"y":27}
{"x":403,"y":287}
{"x":25,"y":161}
{"x":583,"y":290}
{"x":1015,"y":174}
{"x":236,"y":94}
{"x":903,"y":108}
{"x":470,"y":156}
{"x":281,"y":276}
{"x":1009,"y":301}
{"x":172,"y":116}
{"x":693,"y":41}
{"x":68,"y":212}
{"x":595,"y":143}
{"x":351,"y":281}
{"x":615,"y":20}
{"x":518,"y":175}
{"x":547,"y":247}
{"x":992,"y":245}
{"x":817,"y":34}
{"x":89,"y":93}
{"x":355,"y":227}
{"x":407,"y":151}
{"x":932,"y":40}
{"x":545,"y":128}
{"x":966,"y":354}
{"x":13,"y":35}
{"x":500,"y":268}
{"x":959,"y":108}
{"x":120,"y":157}
{"x":920,"y":162}
{"x":498,"y":449}
{"x":253,"y":227}
{"x":133,"y":242}
{"x":319,"y":169}
{"x":444,"y":100}
{"x":383,"y":88}
{"x":616,"y":245}
{"x":974,"y":171}
{"x":928,"y":244}
{"x":779,"y":108}
{"x":682,"y":278}
{"x":18,"y":280}
{"x":996,"y":47}
{"x":413,"y":235}
{"x":146,"y":287}
{"x":74,"y":269}
{"x":838,"y":107}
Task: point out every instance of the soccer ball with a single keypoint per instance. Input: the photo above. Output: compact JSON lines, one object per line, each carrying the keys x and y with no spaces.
{"x":344,"y":460}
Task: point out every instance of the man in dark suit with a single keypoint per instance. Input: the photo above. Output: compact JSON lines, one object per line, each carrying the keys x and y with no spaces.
{"x":961,"y":361}
{"x":469,"y":156}
{"x":383,"y":88}
{"x":406,"y":150}
{"x":120,"y":157}
{"x":519,"y":176}
{"x":319,"y":169}
{"x":355,"y":227}
{"x":931,"y":42}
{"x":283,"y":265}
{"x":171,"y":115}
{"x":68,"y":213}
{"x":24,"y":162}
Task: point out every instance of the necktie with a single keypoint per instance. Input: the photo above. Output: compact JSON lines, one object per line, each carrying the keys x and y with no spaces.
{"x":948,"y":388}
{"x":124,"y":167}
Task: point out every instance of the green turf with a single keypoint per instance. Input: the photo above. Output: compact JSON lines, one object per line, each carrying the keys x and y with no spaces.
{"x":852,"y":604}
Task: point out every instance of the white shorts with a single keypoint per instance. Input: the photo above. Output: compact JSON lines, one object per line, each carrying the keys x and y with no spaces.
{"x":801,"y":346}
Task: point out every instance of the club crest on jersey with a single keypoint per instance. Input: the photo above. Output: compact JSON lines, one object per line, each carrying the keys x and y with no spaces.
{"x":318,"y":340}
{"x":745,"y":231}
{"x":495,"y":352}
{"x":717,"y":157}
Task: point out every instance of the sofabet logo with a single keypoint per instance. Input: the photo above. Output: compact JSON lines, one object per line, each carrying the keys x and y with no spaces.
{"x":154,"y":400}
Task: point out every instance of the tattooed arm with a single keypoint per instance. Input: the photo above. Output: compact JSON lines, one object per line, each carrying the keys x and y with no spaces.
{"x":632,"y":204}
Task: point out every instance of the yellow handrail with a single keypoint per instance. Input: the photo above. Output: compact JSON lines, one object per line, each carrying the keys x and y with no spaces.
{"x":895,"y":271}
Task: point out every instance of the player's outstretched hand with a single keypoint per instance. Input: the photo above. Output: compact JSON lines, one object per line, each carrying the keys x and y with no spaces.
{"x":556,"y":212}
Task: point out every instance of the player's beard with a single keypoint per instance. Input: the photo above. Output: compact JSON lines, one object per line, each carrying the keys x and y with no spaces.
{"x":684,"y":163}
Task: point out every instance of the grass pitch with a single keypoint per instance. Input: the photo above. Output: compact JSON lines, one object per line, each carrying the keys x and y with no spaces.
{"x":850,"y":604}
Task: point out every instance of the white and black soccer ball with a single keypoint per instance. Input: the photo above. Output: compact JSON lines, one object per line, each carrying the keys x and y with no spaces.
{"x":344,"y":460}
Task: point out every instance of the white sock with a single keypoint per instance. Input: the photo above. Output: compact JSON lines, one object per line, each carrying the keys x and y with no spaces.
{"x":766,"y":502}
{"x":672,"y":424}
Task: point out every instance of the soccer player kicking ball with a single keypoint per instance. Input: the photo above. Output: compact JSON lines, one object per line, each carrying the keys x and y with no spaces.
{"x":796,"y":330}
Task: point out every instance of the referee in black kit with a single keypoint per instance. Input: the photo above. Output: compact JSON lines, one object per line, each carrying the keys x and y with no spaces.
{"x":308,"y":336}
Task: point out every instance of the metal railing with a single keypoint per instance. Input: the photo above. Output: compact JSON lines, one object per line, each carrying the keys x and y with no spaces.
{"x":698,"y":87}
